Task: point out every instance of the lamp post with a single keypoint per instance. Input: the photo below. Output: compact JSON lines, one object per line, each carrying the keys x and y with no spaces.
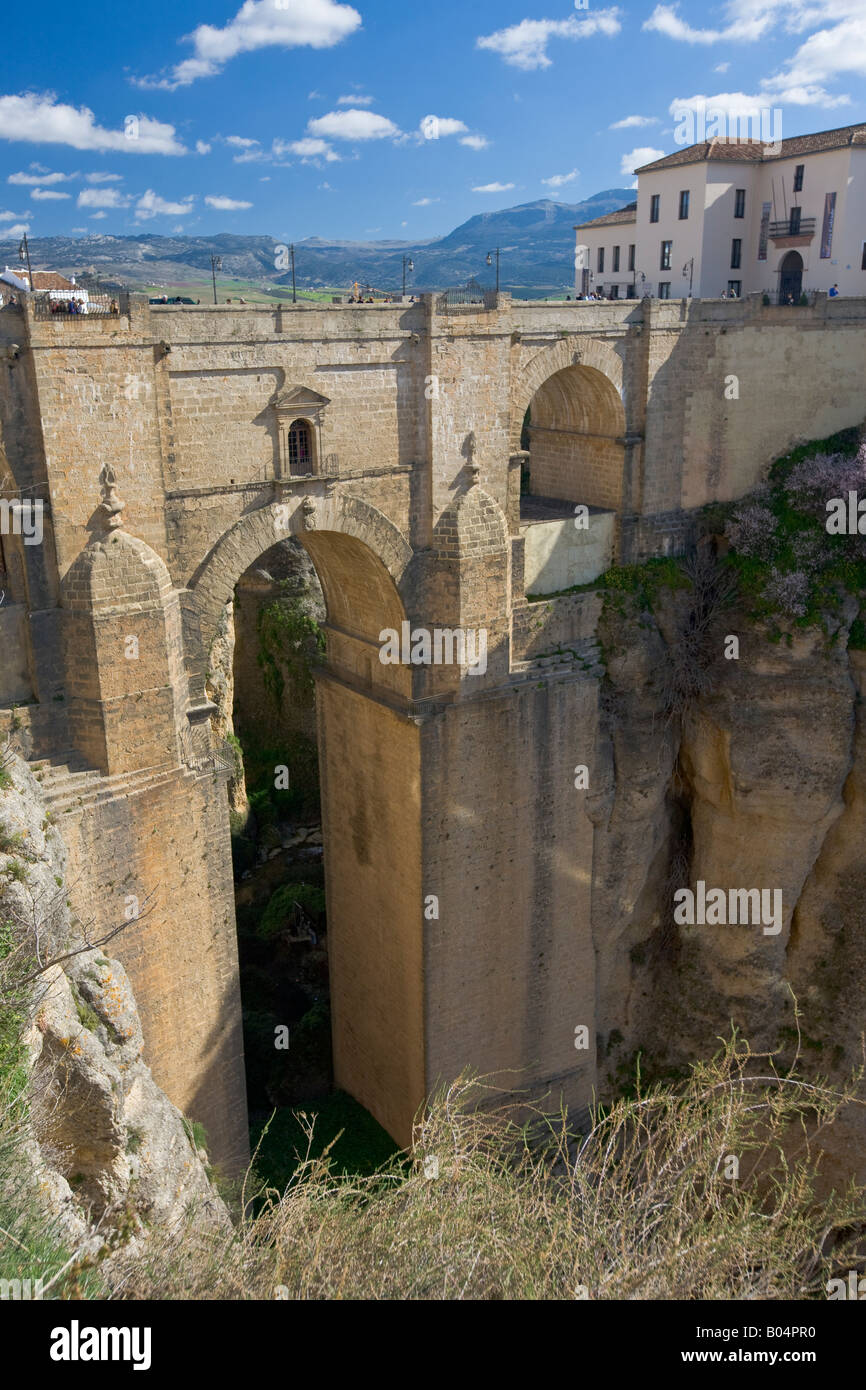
{"x":216,"y":263}
{"x":24,"y":255}
{"x":490,"y":255}
{"x":642,"y":282}
{"x":690,"y":267}
{"x":294,"y":287}
{"x":408,"y":264}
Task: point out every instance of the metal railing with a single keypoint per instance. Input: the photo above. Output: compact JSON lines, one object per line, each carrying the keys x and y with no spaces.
{"x":222,"y":758}
{"x":805,"y":227}
{"x":782,"y":297}
{"x":80,"y":303}
{"x":468,"y":297}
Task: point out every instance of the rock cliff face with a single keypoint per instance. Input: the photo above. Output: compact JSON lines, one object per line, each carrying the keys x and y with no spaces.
{"x":759,"y":784}
{"x":101,"y":1145}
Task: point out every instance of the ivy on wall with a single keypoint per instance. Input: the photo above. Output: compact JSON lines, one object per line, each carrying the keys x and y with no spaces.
{"x":290,"y":641}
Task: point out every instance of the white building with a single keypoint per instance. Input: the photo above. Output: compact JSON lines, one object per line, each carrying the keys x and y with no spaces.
{"x":735,"y":217}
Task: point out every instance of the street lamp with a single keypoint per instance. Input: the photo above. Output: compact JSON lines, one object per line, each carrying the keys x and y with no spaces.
{"x":690,"y":267}
{"x":408,"y":264}
{"x":490,"y":255}
{"x":216,"y":263}
{"x":24,"y":255}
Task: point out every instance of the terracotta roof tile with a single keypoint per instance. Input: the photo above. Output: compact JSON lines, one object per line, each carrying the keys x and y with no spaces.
{"x":612,"y":219}
{"x":744,"y":151}
{"x":50,"y":280}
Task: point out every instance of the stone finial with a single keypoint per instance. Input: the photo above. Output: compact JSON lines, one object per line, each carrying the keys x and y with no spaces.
{"x":111,"y":506}
{"x":308,"y":513}
{"x":472,"y":468}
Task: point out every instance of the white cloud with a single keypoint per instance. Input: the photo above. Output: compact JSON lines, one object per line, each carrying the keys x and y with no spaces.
{"x":644,"y":154}
{"x":260,"y":24}
{"x":747,"y":24}
{"x":721,"y":67}
{"x":720,"y":114}
{"x":241,"y":142}
{"x":492,"y":187}
{"x":97,"y":216}
{"x":325,"y":187}
{"x":250,"y":157}
{"x":315,"y":96}
{"x":836,"y":44}
{"x":102,"y":198}
{"x":355,"y":101}
{"x":557,"y":180}
{"x":9,"y":216}
{"x":425,"y":202}
{"x":202,"y":147}
{"x":41,"y":176}
{"x":17,"y":229}
{"x":441,"y":125}
{"x":44,"y":120}
{"x":47,"y":195}
{"x":825,"y":54}
{"x":104,"y":178}
{"x":223,"y":204}
{"x":475,"y":142}
{"x":353,"y":125}
{"x":151,"y":205}
{"x":308,"y":150}
{"x":629,"y":122}
{"x":524,"y":45}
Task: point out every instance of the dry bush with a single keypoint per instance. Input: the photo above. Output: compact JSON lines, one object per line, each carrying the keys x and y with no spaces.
{"x":639,"y":1207}
{"x":695,"y":644}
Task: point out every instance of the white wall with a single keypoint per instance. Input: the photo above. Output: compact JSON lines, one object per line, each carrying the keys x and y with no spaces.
{"x":708,"y":232}
{"x":558,"y":554}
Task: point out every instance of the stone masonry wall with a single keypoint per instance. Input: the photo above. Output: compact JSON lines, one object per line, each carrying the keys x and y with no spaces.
{"x":166,"y":845}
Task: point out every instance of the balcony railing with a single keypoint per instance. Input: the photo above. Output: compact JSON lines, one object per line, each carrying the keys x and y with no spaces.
{"x":805,"y":227}
{"x":79,"y":304}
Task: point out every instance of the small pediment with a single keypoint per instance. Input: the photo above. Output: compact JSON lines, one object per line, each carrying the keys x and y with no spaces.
{"x":299,"y":399}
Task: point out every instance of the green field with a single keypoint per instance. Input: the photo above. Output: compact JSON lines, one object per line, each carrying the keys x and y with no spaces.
{"x":249,"y":290}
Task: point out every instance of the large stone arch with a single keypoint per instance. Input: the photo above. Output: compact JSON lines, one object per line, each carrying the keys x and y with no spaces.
{"x":370,"y":774}
{"x":380,"y":546}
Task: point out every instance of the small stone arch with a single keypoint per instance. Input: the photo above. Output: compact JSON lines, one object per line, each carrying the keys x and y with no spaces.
{"x":567,"y":352}
{"x":577,"y":425}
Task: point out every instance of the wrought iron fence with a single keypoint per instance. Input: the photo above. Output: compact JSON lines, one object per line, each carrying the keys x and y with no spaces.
{"x":785,"y":297}
{"x":468,"y":297}
{"x":80,"y":303}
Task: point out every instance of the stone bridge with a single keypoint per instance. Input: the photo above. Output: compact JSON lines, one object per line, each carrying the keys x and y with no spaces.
{"x":394,"y":443}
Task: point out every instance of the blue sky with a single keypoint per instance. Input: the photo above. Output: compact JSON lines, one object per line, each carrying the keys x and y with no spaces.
{"x":298,"y":118}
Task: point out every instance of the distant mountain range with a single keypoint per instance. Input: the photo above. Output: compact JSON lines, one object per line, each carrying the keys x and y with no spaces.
{"x":536,"y":242}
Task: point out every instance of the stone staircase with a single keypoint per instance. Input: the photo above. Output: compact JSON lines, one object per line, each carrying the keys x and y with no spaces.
{"x":582,"y":656}
{"x":69,"y":785}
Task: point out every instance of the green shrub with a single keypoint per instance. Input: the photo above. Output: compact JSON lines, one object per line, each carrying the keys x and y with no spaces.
{"x":290,"y":641}
{"x":280,"y":913}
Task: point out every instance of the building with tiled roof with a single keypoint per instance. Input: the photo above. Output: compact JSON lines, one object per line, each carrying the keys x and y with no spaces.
{"x":734,"y":216}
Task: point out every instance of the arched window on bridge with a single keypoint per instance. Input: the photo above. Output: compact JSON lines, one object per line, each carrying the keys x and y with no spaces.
{"x":300,"y":447}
